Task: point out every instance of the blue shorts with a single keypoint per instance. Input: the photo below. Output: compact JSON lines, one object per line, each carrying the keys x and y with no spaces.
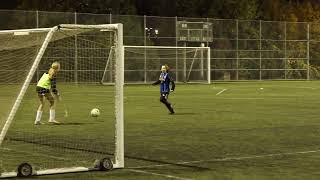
{"x":164,"y":94}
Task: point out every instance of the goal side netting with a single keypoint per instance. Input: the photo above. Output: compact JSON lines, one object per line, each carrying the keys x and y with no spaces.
{"x":80,"y":142}
{"x":142,"y":64}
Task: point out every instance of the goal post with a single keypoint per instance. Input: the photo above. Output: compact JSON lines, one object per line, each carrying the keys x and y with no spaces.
{"x":77,"y":144}
{"x":27,"y":81}
{"x":142,"y":64}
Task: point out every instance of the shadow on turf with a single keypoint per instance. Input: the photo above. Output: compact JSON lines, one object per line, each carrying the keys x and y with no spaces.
{"x":111,"y":154}
{"x":182,"y":113}
{"x":165,"y":162}
{"x":72,"y":123}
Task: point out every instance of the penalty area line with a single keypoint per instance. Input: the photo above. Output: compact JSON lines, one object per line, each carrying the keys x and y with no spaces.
{"x":221,"y":92}
{"x":158,"y":174}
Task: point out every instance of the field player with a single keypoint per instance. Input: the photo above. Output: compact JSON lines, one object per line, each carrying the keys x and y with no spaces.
{"x":46,"y":88}
{"x":164,"y":81}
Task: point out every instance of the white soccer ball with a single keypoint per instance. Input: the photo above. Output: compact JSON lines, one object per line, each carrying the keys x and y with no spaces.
{"x":95,"y":112}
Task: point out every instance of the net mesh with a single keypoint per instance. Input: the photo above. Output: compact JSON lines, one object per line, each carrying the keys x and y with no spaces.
{"x":142,"y":64}
{"x":80,"y":139}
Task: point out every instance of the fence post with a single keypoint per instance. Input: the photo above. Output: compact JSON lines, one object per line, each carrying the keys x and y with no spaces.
{"x":308,"y":51}
{"x":145,"y":49}
{"x":285,"y":51}
{"x":75,"y":53}
{"x":260,"y":48}
{"x":237,"y":49}
{"x":177,"y":72}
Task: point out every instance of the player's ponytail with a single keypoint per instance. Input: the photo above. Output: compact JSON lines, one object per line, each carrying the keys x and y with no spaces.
{"x":55,"y":65}
{"x":167,"y":67}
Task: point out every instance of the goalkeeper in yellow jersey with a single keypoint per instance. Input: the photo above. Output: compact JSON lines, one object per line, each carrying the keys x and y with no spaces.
{"x":47,"y":89}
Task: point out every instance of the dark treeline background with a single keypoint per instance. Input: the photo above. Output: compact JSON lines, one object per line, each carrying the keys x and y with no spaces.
{"x":294,"y":56}
{"x":279,"y":10}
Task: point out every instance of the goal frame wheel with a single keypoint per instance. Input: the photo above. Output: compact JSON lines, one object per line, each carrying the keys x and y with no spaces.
{"x":106,"y":164}
{"x":24,"y":170}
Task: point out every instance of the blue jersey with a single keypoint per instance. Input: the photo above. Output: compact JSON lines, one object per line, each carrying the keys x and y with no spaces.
{"x":165,"y":82}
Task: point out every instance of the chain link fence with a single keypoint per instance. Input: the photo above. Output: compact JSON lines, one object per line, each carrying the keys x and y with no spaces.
{"x":240,"y":49}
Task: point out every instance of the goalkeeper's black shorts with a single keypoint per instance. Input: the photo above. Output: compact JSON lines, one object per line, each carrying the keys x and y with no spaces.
{"x":42,"y":91}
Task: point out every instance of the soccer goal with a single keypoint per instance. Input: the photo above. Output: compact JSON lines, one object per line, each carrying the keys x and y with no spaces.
{"x":142,"y":64}
{"x":81,"y":142}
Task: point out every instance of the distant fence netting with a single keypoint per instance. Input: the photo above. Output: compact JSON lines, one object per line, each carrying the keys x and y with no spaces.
{"x":240,"y":49}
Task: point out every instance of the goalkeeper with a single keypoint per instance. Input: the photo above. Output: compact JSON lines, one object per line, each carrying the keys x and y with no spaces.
{"x":46,"y":88}
{"x":164,"y":81}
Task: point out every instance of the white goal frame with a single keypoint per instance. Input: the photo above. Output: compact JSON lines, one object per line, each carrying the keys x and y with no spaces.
{"x":119,"y":82}
{"x":186,"y":71}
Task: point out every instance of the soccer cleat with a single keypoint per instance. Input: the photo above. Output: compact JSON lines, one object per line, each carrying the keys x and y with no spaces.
{"x":38,"y":123}
{"x":171,"y":111}
{"x":54,"y":122}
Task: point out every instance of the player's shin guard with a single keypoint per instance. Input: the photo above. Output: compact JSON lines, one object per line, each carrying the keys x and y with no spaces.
{"x":52,"y":115}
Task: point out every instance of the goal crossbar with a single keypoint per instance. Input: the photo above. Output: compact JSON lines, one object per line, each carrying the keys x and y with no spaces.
{"x":189,"y":64}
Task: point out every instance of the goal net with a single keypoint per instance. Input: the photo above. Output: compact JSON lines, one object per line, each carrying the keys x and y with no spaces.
{"x":80,"y":142}
{"x":142,"y":64}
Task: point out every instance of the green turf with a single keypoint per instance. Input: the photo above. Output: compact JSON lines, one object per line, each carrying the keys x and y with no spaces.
{"x":243,"y":133}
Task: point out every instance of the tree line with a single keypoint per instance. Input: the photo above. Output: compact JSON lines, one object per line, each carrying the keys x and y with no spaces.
{"x":275,"y":10}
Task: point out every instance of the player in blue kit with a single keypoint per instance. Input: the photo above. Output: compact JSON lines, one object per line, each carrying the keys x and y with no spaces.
{"x":164,"y":81}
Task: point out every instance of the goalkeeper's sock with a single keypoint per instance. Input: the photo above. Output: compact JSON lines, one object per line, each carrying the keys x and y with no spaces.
{"x":38,"y":117}
{"x":52,"y":115}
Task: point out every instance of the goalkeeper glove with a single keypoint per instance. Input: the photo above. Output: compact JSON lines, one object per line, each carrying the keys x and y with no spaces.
{"x":57,"y":94}
{"x":55,"y":91}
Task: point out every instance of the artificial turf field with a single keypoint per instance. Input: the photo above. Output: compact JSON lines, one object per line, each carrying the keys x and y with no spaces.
{"x":230,"y":130}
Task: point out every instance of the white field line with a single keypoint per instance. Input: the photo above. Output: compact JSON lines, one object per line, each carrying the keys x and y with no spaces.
{"x":230,"y":159}
{"x":306,"y":87}
{"x":158,"y":174}
{"x":253,"y":98}
{"x":221,"y":92}
{"x":247,"y":98}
